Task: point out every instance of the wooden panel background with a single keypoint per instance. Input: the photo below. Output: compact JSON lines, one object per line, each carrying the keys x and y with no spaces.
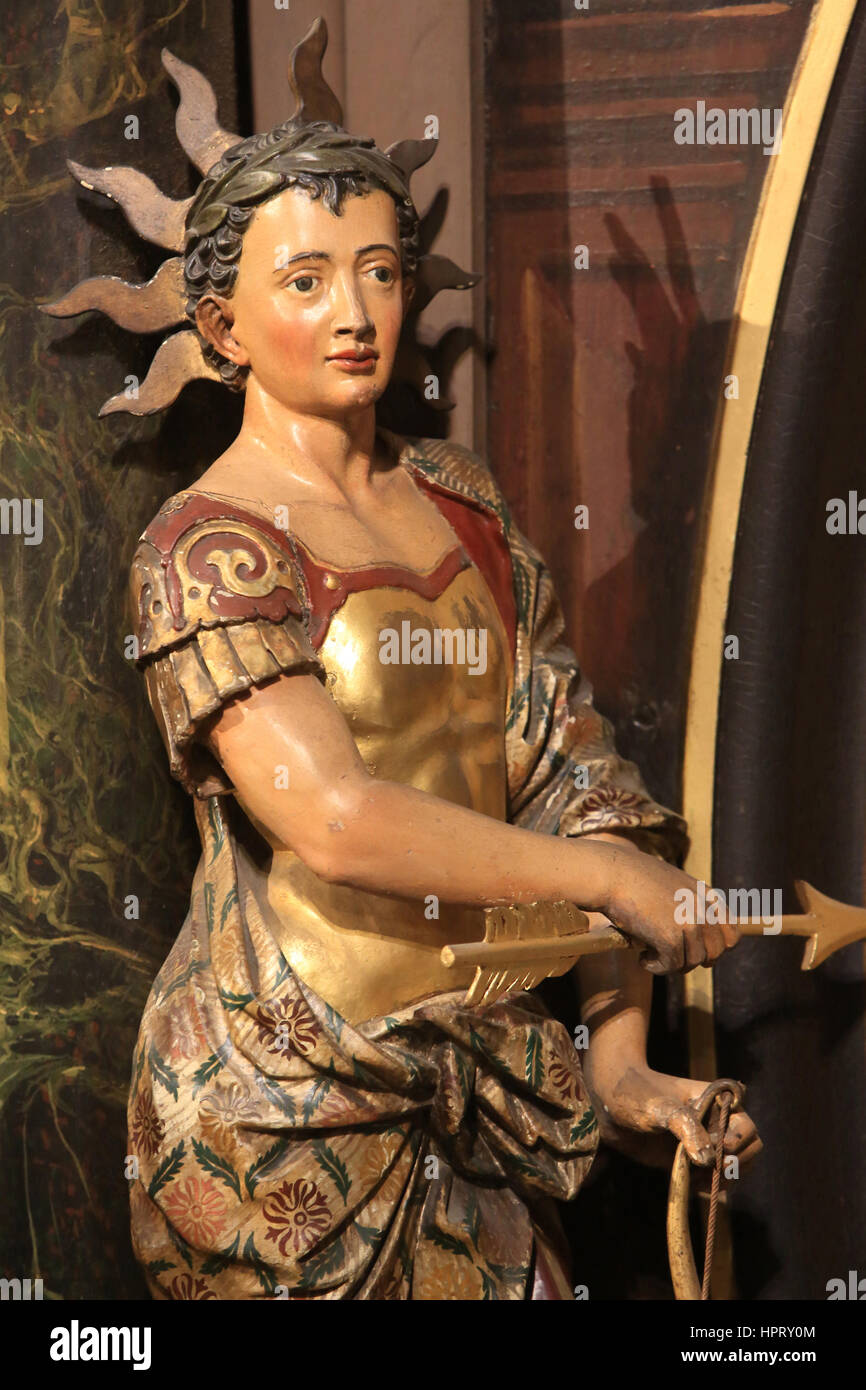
{"x":603,"y":387}
{"x":604,"y":382}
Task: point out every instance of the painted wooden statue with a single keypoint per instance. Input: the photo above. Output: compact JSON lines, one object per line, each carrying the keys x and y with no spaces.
{"x":356,"y":663}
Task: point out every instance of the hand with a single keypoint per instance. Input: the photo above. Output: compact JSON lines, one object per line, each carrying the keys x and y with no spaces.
{"x":645,"y":902}
{"x":645,"y":1112}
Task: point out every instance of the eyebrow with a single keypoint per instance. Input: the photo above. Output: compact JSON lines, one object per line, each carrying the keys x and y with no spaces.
{"x":324,"y":256}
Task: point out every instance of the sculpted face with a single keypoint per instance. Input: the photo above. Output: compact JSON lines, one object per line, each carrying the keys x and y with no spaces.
{"x":310,"y":286}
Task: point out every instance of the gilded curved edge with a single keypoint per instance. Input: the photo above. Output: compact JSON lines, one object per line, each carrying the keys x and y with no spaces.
{"x":757,"y":298}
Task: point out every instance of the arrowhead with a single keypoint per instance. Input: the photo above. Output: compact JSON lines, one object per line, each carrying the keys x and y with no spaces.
{"x":838,"y":924}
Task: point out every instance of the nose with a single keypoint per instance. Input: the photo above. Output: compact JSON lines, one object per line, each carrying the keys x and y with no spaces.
{"x":351,"y":319}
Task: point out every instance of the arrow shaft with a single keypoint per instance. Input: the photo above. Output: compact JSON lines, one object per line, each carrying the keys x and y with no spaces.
{"x":792,"y":924}
{"x":502,"y":961}
{"x":603,"y":937}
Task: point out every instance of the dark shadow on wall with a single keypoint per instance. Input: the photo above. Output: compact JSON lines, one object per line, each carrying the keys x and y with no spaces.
{"x":677,"y":360}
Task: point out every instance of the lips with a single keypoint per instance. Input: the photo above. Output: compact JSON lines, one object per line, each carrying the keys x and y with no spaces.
{"x":359,"y":355}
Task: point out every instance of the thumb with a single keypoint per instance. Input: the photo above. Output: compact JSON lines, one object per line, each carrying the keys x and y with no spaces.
{"x":695,"y":1139}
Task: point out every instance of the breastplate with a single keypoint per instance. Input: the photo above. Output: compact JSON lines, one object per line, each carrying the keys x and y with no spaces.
{"x":422,"y":684}
{"x":421,"y":675}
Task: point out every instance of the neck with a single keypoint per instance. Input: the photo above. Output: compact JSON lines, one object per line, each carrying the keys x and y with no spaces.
{"x":326,"y":452}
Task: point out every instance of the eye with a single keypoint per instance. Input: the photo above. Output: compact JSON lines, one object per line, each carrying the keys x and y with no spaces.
{"x":384,"y":274}
{"x":303,"y":284}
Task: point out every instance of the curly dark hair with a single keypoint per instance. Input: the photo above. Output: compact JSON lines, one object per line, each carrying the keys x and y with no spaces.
{"x":319,"y":157}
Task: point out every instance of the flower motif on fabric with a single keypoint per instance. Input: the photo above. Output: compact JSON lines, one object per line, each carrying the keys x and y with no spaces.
{"x":287,"y":1024}
{"x":565,"y":1079}
{"x":298,"y":1214}
{"x":228,"y":1107}
{"x":339,"y":1109}
{"x":185,"y":1286}
{"x":446,"y":1279}
{"x":186,"y":1032}
{"x":380,"y":1158}
{"x":606,"y":806}
{"x":147,"y":1129}
{"x":197,"y":1209}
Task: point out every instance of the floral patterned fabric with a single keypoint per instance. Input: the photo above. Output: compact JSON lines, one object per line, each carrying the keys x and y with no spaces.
{"x":282,"y":1152}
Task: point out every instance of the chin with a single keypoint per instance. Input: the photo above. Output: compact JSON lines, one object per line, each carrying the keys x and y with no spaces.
{"x":363,"y":393}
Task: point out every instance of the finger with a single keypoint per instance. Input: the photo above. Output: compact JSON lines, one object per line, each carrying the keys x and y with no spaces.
{"x":742,"y":1141}
{"x":719,"y":934}
{"x":748,"y":1154}
{"x":714,"y":942}
{"x":651,"y":963}
{"x":695,"y":950}
{"x":712,"y":927}
{"x":733,"y":1167}
{"x":728,"y":923}
{"x":661,"y":960}
{"x":740,"y":1132}
{"x":695,"y":1139}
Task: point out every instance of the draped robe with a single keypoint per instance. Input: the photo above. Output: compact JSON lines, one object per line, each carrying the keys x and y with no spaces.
{"x":282,"y":1150}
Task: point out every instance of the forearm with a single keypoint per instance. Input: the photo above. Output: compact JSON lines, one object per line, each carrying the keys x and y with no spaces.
{"x":392,"y":838}
{"x":616,"y":995}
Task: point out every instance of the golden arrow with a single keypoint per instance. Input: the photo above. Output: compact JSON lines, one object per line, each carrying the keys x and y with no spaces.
{"x":525,"y":944}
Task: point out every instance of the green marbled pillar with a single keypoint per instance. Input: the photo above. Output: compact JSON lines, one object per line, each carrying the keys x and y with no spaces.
{"x":88,"y":813}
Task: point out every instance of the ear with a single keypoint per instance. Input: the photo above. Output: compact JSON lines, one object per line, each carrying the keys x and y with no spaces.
{"x":215,"y":319}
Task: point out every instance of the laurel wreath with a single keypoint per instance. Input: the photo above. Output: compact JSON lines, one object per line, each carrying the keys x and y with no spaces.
{"x":252,"y":173}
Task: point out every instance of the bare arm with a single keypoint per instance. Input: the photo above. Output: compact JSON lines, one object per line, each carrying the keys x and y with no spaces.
{"x":352,"y":828}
